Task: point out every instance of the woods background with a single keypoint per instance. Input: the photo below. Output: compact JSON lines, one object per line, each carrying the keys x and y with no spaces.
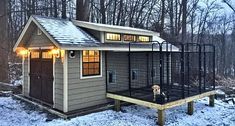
{"x":194,"y":21}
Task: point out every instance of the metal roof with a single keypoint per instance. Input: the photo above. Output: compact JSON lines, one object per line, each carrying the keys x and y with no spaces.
{"x":68,"y":35}
{"x":64,"y":31}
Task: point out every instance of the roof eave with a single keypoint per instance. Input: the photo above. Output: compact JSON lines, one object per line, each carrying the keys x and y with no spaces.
{"x":32,"y":19}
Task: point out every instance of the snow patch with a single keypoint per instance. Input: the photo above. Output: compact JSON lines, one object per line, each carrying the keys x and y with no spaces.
{"x":16,"y":113}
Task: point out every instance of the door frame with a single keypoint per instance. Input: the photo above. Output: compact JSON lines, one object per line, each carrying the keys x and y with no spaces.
{"x":53,"y":63}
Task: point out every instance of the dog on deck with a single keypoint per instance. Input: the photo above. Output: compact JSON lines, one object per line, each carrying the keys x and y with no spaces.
{"x":156,"y":91}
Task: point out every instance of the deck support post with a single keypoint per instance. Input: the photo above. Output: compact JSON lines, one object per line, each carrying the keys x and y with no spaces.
{"x":117,"y":105}
{"x":212,"y":100}
{"x":190,"y":108}
{"x":161,"y":117}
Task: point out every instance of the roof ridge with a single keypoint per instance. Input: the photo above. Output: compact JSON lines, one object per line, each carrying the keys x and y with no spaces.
{"x":47,"y":17}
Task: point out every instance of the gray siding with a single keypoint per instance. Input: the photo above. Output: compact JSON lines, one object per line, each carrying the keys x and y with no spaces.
{"x":118,"y":63}
{"x":39,"y":40}
{"x":84,"y":93}
{"x":58,"y":84}
{"x":26,"y":77}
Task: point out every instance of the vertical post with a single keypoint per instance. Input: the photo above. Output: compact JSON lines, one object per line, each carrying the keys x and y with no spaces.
{"x":129,"y":68}
{"x":106,"y":70}
{"x":161,"y":69}
{"x":188,"y":68}
{"x":147,"y":54}
{"x":152,"y":64}
{"x":204,"y":65}
{"x":199,"y":70}
{"x":190,"y":108}
{"x":168,"y":71}
{"x":212,"y":100}
{"x":161,"y":117}
{"x":117,"y":105}
{"x":213,"y":67}
{"x":182,"y":70}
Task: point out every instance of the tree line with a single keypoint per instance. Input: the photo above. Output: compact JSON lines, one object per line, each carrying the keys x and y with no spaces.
{"x":194,"y":21}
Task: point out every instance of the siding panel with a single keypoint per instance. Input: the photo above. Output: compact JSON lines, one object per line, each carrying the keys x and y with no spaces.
{"x":84,"y":93}
{"x":58,"y":84}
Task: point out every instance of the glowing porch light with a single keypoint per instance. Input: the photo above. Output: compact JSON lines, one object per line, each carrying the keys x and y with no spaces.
{"x":22,"y":52}
{"x":55,"y":52}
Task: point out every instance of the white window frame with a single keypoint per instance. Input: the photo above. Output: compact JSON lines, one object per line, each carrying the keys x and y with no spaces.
{"x":81,"y":67}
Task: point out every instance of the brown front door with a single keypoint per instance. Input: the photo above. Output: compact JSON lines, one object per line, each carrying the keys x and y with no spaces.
{"x":41,"y":75}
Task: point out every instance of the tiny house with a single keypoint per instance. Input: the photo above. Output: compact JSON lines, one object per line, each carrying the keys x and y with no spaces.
{"x":72,"y":65}
{"x":64,"y":61}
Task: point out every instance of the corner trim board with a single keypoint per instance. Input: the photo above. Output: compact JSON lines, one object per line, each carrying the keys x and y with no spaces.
{"x":65,"y":86}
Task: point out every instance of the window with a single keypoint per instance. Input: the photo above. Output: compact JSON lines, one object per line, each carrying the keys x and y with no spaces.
{"x":46,"y":55}
{"x":34,"y":55}
{"x":113,"y":36}
{"x":111,"y":77}
{"x":143,"y":39}
{"x":133,"y":74}
{"x":129,"y":38}
{"x":90,"y":63}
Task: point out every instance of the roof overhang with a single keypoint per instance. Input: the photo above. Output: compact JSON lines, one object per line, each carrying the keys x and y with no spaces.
{"x":114,"y":28}
{"x":121,"y":47}
{"x":30,"y":21}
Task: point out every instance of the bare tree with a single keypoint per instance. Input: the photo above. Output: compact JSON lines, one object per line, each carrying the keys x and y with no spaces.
{"x":3,"y":40}
{"x":82,"y":10}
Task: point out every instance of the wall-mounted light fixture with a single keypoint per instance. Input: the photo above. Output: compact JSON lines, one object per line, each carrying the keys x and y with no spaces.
{"x":22,"y":52}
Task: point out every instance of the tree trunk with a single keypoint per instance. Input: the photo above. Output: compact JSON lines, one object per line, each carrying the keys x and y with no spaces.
{"x":162,"y":18}
{"x":184,"y":20}
{"x":3,"y":41}
{"x":55,"y":9}
{"x":102,"y":11}
{"x":64,"y":9}
{"x":82,"y":10}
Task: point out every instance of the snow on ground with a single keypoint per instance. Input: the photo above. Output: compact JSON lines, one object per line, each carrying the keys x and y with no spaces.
{"x":16,"y":113}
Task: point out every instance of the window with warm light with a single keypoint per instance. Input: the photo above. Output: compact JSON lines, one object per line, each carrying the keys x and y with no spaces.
{"x":34,"y":55}
{"x":129,"y":38}
{"x":113,"y":36}
{"x":144,"y":38}
{"x":90,"y":63}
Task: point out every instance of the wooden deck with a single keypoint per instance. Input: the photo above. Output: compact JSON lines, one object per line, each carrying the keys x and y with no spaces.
{"x":162,"y":107}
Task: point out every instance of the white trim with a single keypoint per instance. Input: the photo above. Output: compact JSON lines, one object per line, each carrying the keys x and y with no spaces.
{"x":113,"y":28}
{"x":22,"y":33}
{"x":118,"y":49}
{"x":31,"y":19}
{"x":95,"y":76}
{"x":48,"y":47}
{"x":65,"y":87}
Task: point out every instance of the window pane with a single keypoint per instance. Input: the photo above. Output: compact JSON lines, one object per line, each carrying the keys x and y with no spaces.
{"x":46,"y":55}
{"x":113,"y":36}
{"x":85,"y":53}
{"x":129,"y":38}
{"x":91,"y":63}
{"x":96,"y":71}
{"x":85,"y":72}
{"x":85,"y":65}
{"x":143,"y":38}
{"x":85,"y":59}
{"x":34,"y":55}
